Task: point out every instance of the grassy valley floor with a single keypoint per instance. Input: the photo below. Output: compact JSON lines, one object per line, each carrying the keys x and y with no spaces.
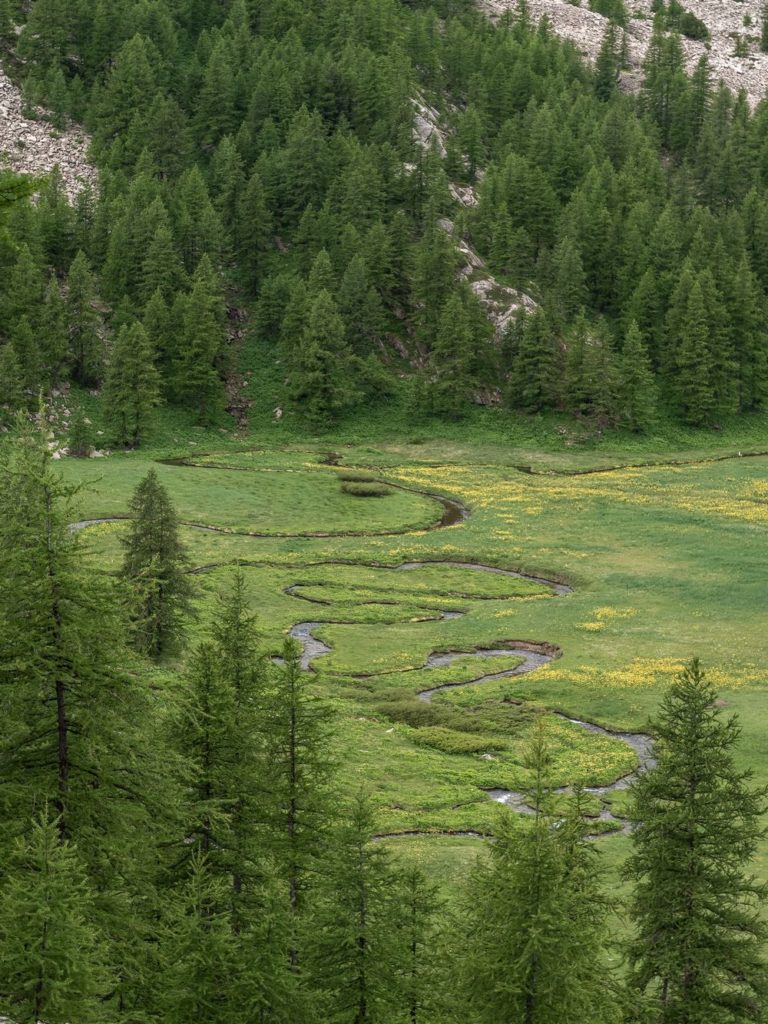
{"x":664,"y":562}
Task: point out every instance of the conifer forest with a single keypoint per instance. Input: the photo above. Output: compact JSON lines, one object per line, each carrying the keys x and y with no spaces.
{"x":383,"y":511}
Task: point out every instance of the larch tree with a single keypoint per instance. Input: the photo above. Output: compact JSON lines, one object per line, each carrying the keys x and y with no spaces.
{"x":447,"y":386}
{"x":86,"y":348}
{"x":132,"y":386}
{"x":79,"y":729}
{"x":154,"y":566}
{"x":53,"y":962}
{"x":299,"y":770}
{"x":697,"y":948}
{"x":322,"y":377}
{"x":355,"y":951}
{"x":638,"y":394}
{"x":535,"y":920}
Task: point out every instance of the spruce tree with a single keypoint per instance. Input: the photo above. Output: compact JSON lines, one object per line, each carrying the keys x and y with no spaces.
{"x":52,"y":959}
{"x":132,"y":387}
{"x":154,"y":565}
{"x":697,"y":952}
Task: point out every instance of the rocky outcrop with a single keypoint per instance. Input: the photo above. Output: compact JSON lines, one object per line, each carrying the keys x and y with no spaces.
{"x":500,"y":302}
{"x":725,"y":20}
{"x":34,"y":147}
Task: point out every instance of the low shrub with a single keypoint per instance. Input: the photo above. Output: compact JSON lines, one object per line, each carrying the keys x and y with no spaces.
{"x":366,"y":490}
{"x":451,"y":742}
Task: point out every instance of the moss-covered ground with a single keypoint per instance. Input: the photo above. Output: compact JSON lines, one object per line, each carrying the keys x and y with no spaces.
{"x":665,"y":561}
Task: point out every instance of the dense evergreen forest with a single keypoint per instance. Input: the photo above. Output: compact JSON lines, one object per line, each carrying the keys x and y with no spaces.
{"x":261,"y":156}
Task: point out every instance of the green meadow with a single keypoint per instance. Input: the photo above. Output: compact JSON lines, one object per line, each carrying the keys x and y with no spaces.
{"x":666,"y":561}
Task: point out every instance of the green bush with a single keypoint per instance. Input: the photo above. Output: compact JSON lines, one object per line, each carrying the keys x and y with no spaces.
{"x":366,"y":490}
{"x":452,"y":742}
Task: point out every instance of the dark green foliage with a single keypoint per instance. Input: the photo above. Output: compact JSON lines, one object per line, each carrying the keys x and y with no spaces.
{"x":637,"y":390}
{"x":132,"y":387}
{"x":79,"y":726}
{"x":534,"y":919}
{"x":154,"y":567}
{"x":80,"y":435}
{"x":533,"y":382}
{"x":361,"y":489}
{"x":52,"y":960}
{"x":322,"y":381}
{"x":356,"y":956}
{"x":266,"y":141}
{"x":12,"y":396}
{"x":695,"y":953}
{"x":83,"y":323}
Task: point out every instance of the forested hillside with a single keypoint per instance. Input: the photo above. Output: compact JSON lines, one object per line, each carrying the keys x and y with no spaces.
{"x":259,"y":160}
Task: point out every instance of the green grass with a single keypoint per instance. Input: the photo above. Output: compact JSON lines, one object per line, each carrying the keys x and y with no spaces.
{"x":666,"y":562}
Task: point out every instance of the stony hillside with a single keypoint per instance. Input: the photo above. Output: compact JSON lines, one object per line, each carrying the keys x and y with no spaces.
{"x":33,"y":147}
{"x":725,"y":20}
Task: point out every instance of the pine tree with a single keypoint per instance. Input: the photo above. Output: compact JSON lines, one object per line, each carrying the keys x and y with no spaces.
{"x":764,"y":29}
{"x":155,"y":565}
{"x":535,"y":906}
{"x":697,"y":950}
{"x":132,"y":387}
{"x":52,"y":960}
{"x":637,"y":389}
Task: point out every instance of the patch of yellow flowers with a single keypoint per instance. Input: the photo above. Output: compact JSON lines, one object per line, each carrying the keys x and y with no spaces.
{"x":647,"y":672}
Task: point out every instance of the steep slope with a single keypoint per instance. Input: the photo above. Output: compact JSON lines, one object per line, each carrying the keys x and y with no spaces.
{"x":33,"y":147}
{"x":725,"y":20}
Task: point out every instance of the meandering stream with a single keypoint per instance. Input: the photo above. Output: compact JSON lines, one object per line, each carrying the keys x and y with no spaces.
{"x":533,"y":655}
